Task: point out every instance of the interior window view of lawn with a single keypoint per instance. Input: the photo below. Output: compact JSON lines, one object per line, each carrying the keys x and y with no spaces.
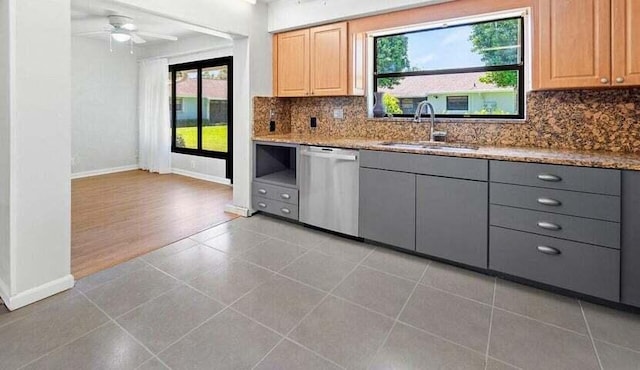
{"x":468,"y":70}
{"x":201,"y":108}
{"x":213,"y":137}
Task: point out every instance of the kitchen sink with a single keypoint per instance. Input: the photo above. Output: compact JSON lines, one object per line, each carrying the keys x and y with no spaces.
{"x":427,"y":145}
{"x":404,"y":145}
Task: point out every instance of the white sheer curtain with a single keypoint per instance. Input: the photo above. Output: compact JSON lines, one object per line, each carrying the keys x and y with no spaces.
{"x":153,"y":116}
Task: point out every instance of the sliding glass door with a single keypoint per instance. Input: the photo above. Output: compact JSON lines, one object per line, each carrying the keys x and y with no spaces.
{"x":202,"y":109}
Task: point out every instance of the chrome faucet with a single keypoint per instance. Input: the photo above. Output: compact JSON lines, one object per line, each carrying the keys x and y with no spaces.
{"x":418,"y":117}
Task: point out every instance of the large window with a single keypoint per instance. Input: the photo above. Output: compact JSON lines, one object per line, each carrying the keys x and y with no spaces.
{"x":202,"y":109}
{"x":471,"y":70}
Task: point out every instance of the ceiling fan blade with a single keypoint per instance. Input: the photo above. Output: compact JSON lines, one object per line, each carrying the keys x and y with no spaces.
{"x":137,"y":39}
{"x":93,"y":33}
{"x":158,"y":36}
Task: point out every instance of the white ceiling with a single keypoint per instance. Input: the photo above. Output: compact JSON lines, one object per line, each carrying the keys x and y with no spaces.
{"x":89,"y":16}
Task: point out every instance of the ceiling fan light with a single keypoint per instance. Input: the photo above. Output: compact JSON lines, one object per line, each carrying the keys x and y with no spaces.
{"x":120,"y":36}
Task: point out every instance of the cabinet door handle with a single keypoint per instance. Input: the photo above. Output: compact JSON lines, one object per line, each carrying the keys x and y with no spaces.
{"x":549,"y":250}
{"x":262,"y":205}
{"x":620,"y":80}
{"x":262,"y":191}
{"x":285,"y":196}
{"x":549,"y":177}
{"x":549,"y":226}
{"x":286,"y":211}
{"x":604,"y":80}
{"x":549,"y":202}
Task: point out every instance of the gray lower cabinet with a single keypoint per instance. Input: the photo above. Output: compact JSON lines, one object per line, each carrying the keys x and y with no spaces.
{"x":452,"y":219}
{"x":631,"y":238}
{"x":388,"y":207}
{"x":570,"y":265}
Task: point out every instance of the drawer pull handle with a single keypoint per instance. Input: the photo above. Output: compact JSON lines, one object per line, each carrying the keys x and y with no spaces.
{"x":549,"y":226}
{"x":549,"y":177}
{"x":262,"y":205}
{"x":285,"y":196}
{"x":549,"y":250}
{"x":549,"y":202}
{"x":286,"y":211}
{"x":262,"y":191}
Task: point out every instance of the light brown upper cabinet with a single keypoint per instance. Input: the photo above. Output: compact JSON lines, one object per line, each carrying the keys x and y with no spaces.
{"x":626,"y":42}
{"x":311,"y":62}
{"x":291,"y":63}
{"x":587,"y":43}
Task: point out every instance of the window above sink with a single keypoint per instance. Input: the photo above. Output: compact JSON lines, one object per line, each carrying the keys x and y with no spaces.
{"x":468,"y":68}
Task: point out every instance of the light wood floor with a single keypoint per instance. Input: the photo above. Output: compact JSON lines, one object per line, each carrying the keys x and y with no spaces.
{"x":121,"y":216}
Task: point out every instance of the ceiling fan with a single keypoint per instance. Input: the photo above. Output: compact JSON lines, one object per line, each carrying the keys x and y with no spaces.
{"x":122,"y":29}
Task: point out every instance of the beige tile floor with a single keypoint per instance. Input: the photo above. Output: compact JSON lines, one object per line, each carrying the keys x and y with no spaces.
{"x":260,"y":293}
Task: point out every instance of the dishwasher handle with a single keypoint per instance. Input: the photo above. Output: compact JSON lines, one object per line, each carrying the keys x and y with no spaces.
{"x":344,"y":157}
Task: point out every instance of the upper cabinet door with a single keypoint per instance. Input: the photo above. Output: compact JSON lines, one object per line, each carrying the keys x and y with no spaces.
{"x":291,"y":64}
{"x":574,"y":43}
{"x":626,"y":42}
{"x":329,"y":60}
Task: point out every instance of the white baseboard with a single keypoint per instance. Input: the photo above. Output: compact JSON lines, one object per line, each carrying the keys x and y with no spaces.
{"x":236,"y":210}
{"x":4,"y":291}
{"x":105,"y":171}
{"x":38,"y":293}
{"x":201,"y":176}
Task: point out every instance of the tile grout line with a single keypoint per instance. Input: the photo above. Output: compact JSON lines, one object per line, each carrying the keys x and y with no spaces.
{"x":618,"y":346}
{"x":593,"y":342}
{"x":66,"y":344}
{"x":358,"y":264}
{"x":119,"y":277}
{"x":328,"y":294}
{"x":542,"y":322}
{"x":229,"y":306}
{"x":113,"y":320}
{"x":395,"y":321}
{"x":493,"y":304}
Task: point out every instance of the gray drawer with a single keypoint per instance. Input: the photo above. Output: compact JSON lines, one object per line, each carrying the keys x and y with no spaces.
{"x":583,"y":230}
{"x":462,"y":168}
{"x":275,"y":207}
{"x":579,"y":267}
{"x":590,"y":180}
{"x":602,"y":207}
{"x":279,"y":193}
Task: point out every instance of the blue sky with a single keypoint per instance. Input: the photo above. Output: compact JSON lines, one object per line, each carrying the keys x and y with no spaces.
{"x":443,"y":49}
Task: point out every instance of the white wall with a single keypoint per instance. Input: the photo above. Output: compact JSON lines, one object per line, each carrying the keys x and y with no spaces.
{"x":252,"y":77}
{"x":184,"y":51}
{"x":40,"y":137}
{"x":252,"y":62}
{"x":222,"y":15}
{"x":188,"y":48}
{"x":287,"y":14}
{"x":104,"y":93}
{"x":5,"y":276}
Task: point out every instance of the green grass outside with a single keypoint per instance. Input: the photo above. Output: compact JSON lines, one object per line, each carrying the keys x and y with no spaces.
{"x":214,"y":138}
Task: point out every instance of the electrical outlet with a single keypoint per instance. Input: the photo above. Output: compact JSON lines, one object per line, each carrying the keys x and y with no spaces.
{"x":272,"y":126}
{"x":313,"y":122}
{"x":193,"y":164}
{"x":338,"y":113}
{"x":73,"y":161}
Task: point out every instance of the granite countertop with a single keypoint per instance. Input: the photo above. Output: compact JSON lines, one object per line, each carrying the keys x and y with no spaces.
{"x":599,"y":159}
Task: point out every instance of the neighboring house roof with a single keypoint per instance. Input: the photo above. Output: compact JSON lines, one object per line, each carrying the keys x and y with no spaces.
{"x":212,"y":89}
{"x":421,"y":86}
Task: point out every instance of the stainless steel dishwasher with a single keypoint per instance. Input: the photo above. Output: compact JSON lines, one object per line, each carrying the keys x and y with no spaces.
{"x":329,"y":181}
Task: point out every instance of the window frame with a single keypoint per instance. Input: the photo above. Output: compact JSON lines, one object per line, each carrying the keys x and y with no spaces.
{"x":199,"y":66}
{"x":181,"y":100}
{"x":466,"y":97}
{"x":519,"y":67}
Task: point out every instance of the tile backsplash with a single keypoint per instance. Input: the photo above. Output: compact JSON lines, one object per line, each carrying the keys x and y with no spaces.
{"x":576,"y":119}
